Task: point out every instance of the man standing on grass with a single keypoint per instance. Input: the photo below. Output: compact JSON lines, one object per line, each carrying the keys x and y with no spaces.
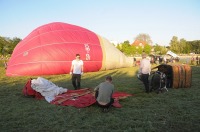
{"x":145,"y":69}
{"x":103,"y":94}
{"x":76,"y":71}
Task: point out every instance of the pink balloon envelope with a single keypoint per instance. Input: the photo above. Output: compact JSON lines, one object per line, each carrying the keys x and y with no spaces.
{"x":50,"y":49}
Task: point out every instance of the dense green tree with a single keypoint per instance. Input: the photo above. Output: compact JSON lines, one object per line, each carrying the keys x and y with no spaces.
{"x":125,"y":48}
{"x":174,"y":45}
{"x":147,"y":49}
{"x":12,"y":44}
{"x":161,"y":50}
{"x":133,"y":50}
{"x":184,"y":46}
{"x":7,"y":45}
{"x":1,"y":45}
{"x":139,"y":50}
{"x":157,"y":48}
{"x":194,"y":46}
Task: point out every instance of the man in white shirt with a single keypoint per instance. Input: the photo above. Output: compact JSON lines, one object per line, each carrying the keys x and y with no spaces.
{"x":145,"y":69}
{"x":76,"y":71}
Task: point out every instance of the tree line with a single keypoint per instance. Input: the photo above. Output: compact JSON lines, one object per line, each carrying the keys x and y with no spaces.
{"x":177,"y":46}
{"x":184,"y":47}
{"x":7,"y":45}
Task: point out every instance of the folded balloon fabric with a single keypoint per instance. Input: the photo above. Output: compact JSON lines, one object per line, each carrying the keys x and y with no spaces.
{"x":42,"y":88}
{"x":84,"y":98}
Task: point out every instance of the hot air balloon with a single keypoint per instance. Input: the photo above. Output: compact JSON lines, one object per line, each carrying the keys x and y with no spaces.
{"x":49,"y":50}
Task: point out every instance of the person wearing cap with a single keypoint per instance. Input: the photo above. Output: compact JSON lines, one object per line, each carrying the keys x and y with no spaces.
{"x":103,"y":94}
{"x":76,"y":71}
{"x":144,"y":70}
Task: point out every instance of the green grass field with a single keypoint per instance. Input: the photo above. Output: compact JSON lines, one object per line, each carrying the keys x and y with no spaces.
{"x":174,"y":111}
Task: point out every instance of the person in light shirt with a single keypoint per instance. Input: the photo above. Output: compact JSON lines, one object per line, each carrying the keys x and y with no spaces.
{"x":145,"y":69}
{"x":76,"y":71}
{"x":103,"y":94}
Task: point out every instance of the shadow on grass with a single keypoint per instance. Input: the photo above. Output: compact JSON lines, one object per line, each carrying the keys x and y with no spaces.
{"x":176,"y":110}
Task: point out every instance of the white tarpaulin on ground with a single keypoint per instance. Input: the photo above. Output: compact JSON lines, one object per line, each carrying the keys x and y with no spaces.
{"x":46,"y":88}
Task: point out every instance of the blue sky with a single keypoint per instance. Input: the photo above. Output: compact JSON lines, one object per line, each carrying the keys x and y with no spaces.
{"x":116,"y":20}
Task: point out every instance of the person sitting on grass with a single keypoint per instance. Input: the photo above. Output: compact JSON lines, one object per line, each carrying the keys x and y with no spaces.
{"x":103,"y":94}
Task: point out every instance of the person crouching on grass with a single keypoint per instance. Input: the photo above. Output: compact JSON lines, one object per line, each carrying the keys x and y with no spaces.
{"x":103,"y":94}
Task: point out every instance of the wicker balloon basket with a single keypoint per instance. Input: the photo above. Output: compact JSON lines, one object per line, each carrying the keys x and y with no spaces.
{"x":178,"y":76}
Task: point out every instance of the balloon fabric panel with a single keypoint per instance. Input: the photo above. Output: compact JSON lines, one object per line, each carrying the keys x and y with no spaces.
{"x":52,"y":48}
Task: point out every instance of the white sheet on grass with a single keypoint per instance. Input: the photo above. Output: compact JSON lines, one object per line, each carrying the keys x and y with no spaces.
{"x":46,"y":88}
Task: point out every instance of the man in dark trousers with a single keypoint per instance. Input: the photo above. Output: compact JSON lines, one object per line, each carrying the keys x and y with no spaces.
{"x":76,"y":71}
{"x":103,"y":94}
{"x":145,"y":69}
